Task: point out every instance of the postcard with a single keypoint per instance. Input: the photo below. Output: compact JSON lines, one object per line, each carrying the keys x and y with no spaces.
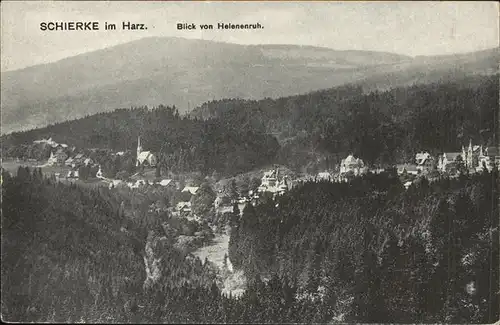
{"x":250,"y":162}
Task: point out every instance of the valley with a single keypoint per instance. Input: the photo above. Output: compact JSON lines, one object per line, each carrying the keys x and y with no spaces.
{"x":233,"y":281}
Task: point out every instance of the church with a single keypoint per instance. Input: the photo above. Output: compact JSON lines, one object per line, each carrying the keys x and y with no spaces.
{"x":144,"y":158}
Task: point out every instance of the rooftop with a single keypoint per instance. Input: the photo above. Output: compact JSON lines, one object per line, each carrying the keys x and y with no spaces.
{"x":190,"y":189}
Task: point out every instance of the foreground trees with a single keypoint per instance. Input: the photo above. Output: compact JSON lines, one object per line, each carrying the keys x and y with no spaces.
{"x":364,"y":251}
{"x":428,"y":254}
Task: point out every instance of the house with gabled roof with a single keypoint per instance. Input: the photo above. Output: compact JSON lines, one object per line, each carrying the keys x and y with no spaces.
{"x":165,"y":182}
{"x":411,"y":169}
{"x":183,"y":206}
{"x":57,"y":158}
{"x":424,"y":161}
{"x":190,"y":189}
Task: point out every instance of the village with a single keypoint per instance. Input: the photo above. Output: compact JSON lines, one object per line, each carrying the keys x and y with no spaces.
{"x":69,"y":165}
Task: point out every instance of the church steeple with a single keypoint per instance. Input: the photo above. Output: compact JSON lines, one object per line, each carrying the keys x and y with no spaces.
{"x":139,"y":150}
{"x":139,"y":147}
{"x":469,"y":154}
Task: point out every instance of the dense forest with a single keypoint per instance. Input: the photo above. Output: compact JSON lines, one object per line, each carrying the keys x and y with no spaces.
{"x":72,"y":254}
{"x":364,"y":251}
{"x":380,"y":127}
{"x":374,"y":252}
{"x":182,"y":144}
{"x":314,"y":130}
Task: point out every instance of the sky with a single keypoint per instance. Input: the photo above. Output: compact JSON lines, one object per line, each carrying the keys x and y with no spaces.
{"x":411,"y":28}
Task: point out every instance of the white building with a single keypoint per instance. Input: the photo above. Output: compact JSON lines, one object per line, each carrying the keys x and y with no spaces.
{"x":138,"y":183}
{"x":408,"y":168}
{"x":165,"y":182}
{"x":271,"y":182}
{"x":269,"y":179}
{"x":57,"y":158}
{"x":48,"y":141}
{"x":190,"y":189}
{"x":146,"y":158}
{"x":183,"y":206}
{"x":424,"y":161}
{"x":352,"y":165}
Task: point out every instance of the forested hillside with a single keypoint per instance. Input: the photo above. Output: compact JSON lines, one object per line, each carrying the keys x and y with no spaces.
{"x":314,"y":130}
{"x":372,"y":252}
{"x":380,"y":127}
{"x":182,"y":144}
{"x":71,"y":254}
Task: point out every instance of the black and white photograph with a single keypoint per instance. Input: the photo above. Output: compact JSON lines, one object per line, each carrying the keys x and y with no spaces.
{"x":279,"y":162}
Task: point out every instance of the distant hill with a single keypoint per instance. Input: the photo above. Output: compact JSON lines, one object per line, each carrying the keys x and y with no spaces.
{"x":429,"y":69}
{"x":187,"y":73}
{"x":173,"y":71}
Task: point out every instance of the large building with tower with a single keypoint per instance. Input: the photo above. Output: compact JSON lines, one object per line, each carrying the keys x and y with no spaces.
{"x":144,"y":158}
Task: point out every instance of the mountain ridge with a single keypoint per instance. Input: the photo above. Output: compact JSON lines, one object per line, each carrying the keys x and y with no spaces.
{"x":187,"y":73}
{"x":207,"y":41}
